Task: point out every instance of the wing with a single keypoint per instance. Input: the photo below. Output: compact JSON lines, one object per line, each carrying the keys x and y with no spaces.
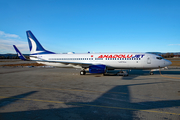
{"x":21,"y":56}
{"x":62,"y":62}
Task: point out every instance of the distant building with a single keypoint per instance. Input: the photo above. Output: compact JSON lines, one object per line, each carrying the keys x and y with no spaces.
{"x":176,"y":56}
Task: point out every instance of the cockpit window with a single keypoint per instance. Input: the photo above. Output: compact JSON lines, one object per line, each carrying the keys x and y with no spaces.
{"x":159,"y":58}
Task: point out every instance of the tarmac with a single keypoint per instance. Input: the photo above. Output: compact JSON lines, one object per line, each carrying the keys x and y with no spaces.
{"x":62,"y":93}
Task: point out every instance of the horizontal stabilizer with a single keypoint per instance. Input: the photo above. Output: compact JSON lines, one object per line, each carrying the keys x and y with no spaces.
{"x":21,"y":56}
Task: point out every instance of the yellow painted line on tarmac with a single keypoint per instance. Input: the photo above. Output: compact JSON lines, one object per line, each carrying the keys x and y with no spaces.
{"x":65,"y":89}
{"x":167,"y":76}
{"x":90,"y":105}
{"x":170,"y":77}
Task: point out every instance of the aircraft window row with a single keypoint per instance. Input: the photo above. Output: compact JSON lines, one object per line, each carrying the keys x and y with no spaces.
{"x":98,"y":58}
{"x":123,"y":58}
{"x":70,"y":58}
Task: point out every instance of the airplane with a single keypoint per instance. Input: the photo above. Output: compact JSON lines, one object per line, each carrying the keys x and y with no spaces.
{"x":96,"y":62}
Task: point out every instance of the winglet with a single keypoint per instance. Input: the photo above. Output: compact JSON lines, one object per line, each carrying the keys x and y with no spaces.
{"x":21,"y":56}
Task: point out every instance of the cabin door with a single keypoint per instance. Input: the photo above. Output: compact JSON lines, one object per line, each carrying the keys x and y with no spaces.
{"x":148,"y":60}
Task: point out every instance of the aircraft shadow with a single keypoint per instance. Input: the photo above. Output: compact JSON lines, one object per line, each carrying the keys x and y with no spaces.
{"x":114,"y":104}
{"x":12,"y":99}
{"x":171,"y":72}
{"x":135,"y":73}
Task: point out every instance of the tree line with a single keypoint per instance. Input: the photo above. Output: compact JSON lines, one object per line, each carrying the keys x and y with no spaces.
{"x":168,"y":55}
{"x":11,"y":56}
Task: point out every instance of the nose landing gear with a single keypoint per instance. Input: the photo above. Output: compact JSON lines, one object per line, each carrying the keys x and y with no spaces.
{"x":151,"y":73}
{"x":82,"y":72}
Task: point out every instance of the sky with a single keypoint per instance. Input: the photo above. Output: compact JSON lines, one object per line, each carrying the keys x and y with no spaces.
{"x":91,"y":25}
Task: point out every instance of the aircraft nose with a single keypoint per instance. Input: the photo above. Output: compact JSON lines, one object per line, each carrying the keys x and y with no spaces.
{"x":167,"y":62}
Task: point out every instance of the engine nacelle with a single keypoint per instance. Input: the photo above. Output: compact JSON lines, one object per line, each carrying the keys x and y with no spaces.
{"x":97,"y":68}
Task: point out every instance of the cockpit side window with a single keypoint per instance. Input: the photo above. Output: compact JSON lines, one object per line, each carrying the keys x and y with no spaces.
{"x":159,"y":58}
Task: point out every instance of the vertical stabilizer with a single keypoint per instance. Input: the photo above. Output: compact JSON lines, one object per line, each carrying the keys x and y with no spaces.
{"x":34,"y":45}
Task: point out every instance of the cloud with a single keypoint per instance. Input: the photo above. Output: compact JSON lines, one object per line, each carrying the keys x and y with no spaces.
{"x":8,"y":40}
{"x":7,"y":35}
{"x":174,"y":44}
{"x":6,"y":46}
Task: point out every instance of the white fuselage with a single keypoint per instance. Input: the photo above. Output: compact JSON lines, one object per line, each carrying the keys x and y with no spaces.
{"x":111,"y":60}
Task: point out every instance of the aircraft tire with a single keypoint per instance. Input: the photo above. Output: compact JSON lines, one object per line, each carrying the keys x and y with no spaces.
{"x":82,"y":72}
{"x":151,"y":73}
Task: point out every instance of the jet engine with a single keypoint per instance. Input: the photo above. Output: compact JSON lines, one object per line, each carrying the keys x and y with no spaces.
{"x":97,"y":69}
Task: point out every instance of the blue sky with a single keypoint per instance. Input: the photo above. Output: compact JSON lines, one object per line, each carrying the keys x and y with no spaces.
{"x":91,"y":25}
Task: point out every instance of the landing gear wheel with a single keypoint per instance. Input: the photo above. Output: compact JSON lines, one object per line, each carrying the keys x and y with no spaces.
{"x":82,"y":72}
{"x":151,"y":73}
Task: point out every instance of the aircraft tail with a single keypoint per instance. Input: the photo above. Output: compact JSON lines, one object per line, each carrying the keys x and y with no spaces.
{"x":21,"y":56}
{"x":34,"y":45}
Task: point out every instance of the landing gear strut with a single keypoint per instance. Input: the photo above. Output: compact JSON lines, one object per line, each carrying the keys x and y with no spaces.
{"x":105,"y":71}
{"x":82,"y":72}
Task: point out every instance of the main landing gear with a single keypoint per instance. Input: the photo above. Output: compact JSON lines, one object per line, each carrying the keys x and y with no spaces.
{"x":82,"y":72}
